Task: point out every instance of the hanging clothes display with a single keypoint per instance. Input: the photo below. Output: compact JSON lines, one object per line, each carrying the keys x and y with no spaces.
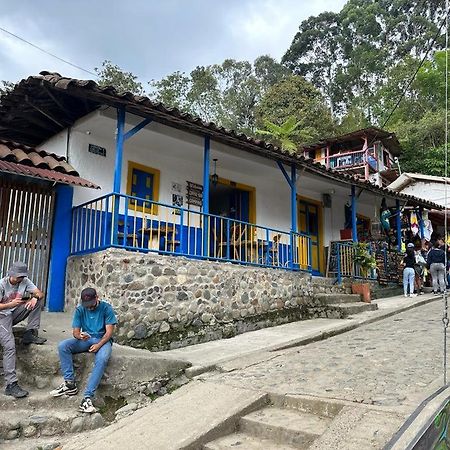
{"x":427,"y":227}
{"x":414,"y":223}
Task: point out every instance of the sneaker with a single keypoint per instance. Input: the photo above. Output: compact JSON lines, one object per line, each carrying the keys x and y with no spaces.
{"x":435,"y":293}
{"x":66,"y":388}
{"x":15,"y":390}
{"x":406,"y":295}
{"x":86,"y":406}
{"x":31,"y":337}
{"x":413,"y":295}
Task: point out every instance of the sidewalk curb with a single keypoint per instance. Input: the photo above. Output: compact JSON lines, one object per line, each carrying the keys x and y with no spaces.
{"x":318,"y":336}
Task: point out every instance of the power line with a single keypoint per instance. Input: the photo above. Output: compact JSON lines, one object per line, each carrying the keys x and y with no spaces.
{"x":417,"y":70}
{"x":48,"y":53}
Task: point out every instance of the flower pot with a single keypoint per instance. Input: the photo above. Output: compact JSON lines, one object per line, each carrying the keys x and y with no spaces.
{"x":362,"y":289}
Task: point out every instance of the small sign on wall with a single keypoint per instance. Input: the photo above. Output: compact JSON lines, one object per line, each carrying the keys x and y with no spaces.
{"x":97,"y":150}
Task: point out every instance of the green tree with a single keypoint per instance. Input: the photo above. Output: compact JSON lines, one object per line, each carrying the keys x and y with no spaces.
{"x":347,"y":55}
{"x":5,"y":87}
{"x":224,"y":93}
{"x":294,"y":97}
{"x":110,"y":74}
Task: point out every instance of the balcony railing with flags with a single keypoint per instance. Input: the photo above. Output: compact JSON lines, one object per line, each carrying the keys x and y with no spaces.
{"x":123,"y":221}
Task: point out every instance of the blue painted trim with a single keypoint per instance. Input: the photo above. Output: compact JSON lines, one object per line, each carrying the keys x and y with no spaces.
{"x":293,"y":198}
{"x":205,"y":207}
{"x":119,"y":149}
{"x":283,"y":170}
{"x":354,"y":220}
{"x":338,"y":256}
{"x":60,"y":247}
{"x":398,"y":222}
{"x":136,"y":129}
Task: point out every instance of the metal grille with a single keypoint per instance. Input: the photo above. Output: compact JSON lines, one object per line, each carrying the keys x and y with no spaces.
{"x":26,"y":214}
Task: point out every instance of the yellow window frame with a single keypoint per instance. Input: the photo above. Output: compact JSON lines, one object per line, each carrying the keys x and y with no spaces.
{"x":156,"y":175}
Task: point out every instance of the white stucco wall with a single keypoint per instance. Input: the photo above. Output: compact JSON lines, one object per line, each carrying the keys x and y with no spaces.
{"x":432,"y":191}
{"x":179,"y":158}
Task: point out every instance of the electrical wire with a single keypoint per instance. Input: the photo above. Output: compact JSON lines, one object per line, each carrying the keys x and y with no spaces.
{"x":445,"y":298}
{"x":48,"y":53}
{"x":444,"y":22}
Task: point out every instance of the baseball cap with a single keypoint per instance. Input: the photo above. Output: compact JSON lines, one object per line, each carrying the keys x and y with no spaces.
{"x":18,"y":269}
{"x":88,"y":297}
{"x":410,"y":244}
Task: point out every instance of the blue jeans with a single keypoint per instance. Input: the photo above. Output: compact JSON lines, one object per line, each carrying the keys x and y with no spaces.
{"x":68,"y":347}
{"x":408,"y":279}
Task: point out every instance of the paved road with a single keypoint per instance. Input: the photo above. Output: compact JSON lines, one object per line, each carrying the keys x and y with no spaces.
{"x":393,"y":363}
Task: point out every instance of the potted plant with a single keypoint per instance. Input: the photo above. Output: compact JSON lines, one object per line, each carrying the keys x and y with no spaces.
{"x":366,"y":262}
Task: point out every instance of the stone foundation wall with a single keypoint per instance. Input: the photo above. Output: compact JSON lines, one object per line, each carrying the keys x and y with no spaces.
{"x":165,"y":302}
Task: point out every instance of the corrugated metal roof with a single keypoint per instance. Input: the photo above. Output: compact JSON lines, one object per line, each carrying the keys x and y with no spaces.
{"x":56,"y":92}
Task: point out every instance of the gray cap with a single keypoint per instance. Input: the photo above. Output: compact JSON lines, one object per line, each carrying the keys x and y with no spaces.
{"x":18,"y":269}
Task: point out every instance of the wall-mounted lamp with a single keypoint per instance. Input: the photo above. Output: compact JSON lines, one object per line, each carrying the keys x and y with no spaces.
{"x":214,"y":177}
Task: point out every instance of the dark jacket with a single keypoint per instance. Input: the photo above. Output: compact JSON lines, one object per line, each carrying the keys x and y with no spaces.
{"x":409,"y":261}
{"x":435,"y":256}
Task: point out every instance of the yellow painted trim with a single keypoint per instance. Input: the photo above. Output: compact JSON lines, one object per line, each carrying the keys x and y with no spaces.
{"x":156,"y":175}
{"x":251,"y":198}
{"x":320,"y":236}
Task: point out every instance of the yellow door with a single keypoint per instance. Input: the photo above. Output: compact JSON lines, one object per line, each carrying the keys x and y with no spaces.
{"x":310,"y":224}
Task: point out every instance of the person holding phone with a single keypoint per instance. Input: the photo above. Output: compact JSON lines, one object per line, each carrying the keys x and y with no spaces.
{"x":19,"y":299}
{"x":93,"y":325}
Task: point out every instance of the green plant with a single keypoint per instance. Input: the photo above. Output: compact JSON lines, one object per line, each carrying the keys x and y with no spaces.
{"x":281,"y":134}
{"x":363,"y":258}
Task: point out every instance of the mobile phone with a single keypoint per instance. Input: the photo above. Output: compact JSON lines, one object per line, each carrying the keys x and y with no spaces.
{"x":83,"y":334}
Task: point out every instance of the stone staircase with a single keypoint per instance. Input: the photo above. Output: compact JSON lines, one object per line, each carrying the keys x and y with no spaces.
{"x":347,"y":304}
{"x":287,"y":423}
{"x":132,"y":379}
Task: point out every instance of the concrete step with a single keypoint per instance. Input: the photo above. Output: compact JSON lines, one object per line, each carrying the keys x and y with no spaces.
{"x":27,"y":423}
{"x":245,"y":442}
{"x":39,"y":399}
{"x":284,"y":426}
{"x":355,"y":308}
{"x":338,"y":298}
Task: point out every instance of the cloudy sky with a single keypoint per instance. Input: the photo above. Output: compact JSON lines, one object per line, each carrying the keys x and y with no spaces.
{"x":150,"y":38}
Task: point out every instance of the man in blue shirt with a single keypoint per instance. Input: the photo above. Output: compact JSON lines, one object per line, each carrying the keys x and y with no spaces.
{"x":93,"y":325}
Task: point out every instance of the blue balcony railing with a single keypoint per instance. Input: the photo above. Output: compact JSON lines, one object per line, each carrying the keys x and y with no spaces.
{"x":122,"y":221}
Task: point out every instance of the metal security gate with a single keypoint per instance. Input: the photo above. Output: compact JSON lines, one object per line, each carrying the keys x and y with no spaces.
{"x":26,"y":215}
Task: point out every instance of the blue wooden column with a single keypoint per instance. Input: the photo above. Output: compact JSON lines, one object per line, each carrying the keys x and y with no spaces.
{"x":354,"y":220}
{"x":60,"y":245}
{"x":118,"y":171}
{"x":293,"y":198}
{"x":205,"y":208}
{"x":292,"y":181}
{"x":121,"y":137}
{"x":398,"y":223}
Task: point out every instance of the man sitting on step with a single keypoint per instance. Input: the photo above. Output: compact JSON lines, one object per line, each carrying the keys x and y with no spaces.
{"x":93,"y":325}
{"x":19,"y":299}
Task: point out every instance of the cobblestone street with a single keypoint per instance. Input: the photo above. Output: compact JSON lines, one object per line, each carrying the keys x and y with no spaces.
{"x":392,"y":363}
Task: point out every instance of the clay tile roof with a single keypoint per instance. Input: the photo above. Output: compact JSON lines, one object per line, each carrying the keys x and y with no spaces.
{"x":69,"y":99}
{"x":23,"y":160}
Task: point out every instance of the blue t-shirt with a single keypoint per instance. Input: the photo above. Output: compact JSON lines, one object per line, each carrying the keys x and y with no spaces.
{"x":94,"y":322}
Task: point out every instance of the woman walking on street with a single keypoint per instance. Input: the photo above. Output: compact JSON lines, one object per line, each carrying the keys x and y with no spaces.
{"x":409,"y":262}
{"x":436,"y":264}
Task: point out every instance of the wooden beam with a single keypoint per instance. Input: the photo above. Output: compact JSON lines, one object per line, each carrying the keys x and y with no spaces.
{"x":59,"y":103}
{"x":45,"y":114}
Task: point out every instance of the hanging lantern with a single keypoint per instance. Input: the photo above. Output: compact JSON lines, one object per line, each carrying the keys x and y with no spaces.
{"x":214,"y":177}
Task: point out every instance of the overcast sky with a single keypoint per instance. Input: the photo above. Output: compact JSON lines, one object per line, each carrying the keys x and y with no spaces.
{"x":150,"y":38}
